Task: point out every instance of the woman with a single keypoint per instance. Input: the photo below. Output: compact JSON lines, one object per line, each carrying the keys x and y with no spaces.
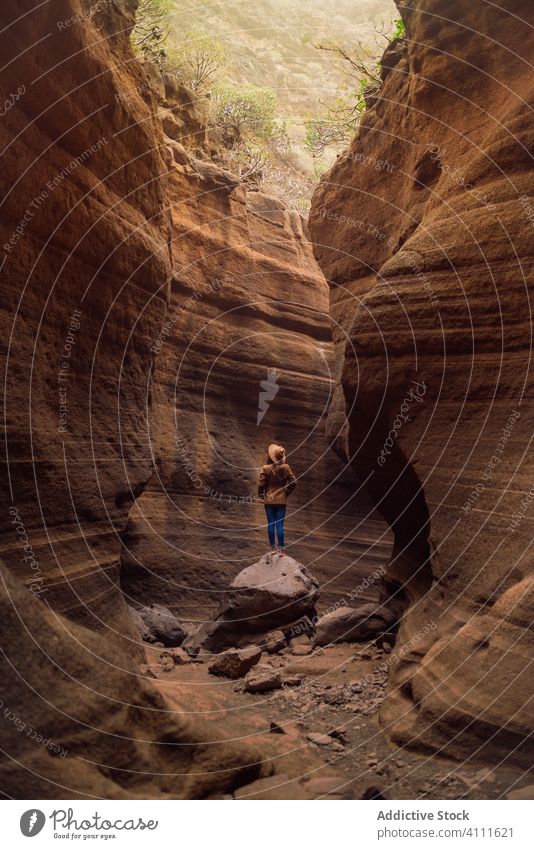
{"x":276,"y":482}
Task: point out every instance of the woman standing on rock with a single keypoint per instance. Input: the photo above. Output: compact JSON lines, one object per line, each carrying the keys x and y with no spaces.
{"x":276,"y":482}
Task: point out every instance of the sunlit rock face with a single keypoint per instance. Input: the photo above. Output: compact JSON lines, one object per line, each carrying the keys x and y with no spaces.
{"x":424,"y":231}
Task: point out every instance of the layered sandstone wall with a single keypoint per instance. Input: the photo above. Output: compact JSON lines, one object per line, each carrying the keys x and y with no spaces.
{"x":424,"y":231}
{"x":248,"y":321}
{"x":85,"y":230}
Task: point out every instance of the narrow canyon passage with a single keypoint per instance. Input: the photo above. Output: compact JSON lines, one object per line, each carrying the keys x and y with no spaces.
{"x":166,"y":319}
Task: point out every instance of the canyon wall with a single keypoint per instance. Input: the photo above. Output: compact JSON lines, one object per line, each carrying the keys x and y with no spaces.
{"x":146,"y":295}
{"x":86,"y":265}
{"x":248,"y":321}
{"x":424,"y":229}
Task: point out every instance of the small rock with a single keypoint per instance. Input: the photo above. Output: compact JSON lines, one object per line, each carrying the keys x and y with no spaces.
{"x":319,"y":739}
{"x":340,"y":734}
{"x":300,"y":640}
{"x":301,"y":651}
{"x":277,"y":727}
{"x":177,"y":656}
{"x":386,"y":648}
{"x":146,"y":671}
{"x":180,"y":657}
{"x":263,"y":683}
{"x":167,"y":664}
{"x":274,"y":642}
{"x":235,"y":663}
{"x":292,"y":681}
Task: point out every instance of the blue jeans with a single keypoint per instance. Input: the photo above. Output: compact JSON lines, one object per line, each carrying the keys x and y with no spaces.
{"x":275,"y":519}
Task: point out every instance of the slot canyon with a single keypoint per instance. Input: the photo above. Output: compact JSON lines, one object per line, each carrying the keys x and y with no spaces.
{"x":164,"y":322}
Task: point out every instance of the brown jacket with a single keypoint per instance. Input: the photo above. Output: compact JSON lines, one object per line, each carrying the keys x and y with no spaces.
{"x":276,"y":482}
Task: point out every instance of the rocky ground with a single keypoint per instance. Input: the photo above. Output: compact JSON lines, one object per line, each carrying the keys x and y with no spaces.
{"x":318,"y":727}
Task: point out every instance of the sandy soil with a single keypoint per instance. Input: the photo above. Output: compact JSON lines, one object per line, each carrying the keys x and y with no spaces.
{"x":320,"y":733}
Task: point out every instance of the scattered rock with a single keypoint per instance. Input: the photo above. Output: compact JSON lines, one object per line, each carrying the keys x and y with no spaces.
{"x":263,"y":683}
{"x":179,"y":656}
{"x":162,"y":625}
{"x":301,"y":651}
{"x":364,"y":654}
{"x":300,"y":640}
{"x":235,"y":663}
{"x":347,"y":624}
{"x":292,"y":681}
{"x":340,"y":734}
{"x":167,"y":663}
{"x":274,"y":642}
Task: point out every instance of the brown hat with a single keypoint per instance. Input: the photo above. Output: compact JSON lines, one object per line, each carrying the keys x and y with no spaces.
{"x":276,"y":453}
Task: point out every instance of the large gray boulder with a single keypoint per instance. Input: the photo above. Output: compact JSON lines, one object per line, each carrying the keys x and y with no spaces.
{"x":274,"y":593}
{"x":353,"y":625}
{"x":156,"y":624}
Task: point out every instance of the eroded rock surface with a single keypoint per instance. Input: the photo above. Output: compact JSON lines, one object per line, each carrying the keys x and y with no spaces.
{"x":424,"y":232}
{"x":84,"y":271}
{"x":243,"y":358}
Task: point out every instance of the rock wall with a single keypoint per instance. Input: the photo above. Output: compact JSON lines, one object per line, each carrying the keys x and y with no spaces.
{"x":85,"y":235}
{"x":248,"y":320}
{"x":424,"y":230}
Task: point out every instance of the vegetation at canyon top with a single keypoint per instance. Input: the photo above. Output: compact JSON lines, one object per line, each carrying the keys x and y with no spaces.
{"x":286,"y":88}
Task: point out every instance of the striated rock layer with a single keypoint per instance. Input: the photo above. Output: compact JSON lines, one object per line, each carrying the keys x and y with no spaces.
{"x":424,"y":231}
{"x":243,"y":359}
{"x":85,"y":266}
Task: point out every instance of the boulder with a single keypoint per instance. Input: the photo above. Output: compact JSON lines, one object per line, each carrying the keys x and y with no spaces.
{"x":162,"y":625}
{"x":274,"y":593}
{"x":235,"y":663}
{"x":352,"y":625}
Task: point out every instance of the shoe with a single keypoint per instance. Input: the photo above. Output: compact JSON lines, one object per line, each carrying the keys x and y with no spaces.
{"x":281,"y":552}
